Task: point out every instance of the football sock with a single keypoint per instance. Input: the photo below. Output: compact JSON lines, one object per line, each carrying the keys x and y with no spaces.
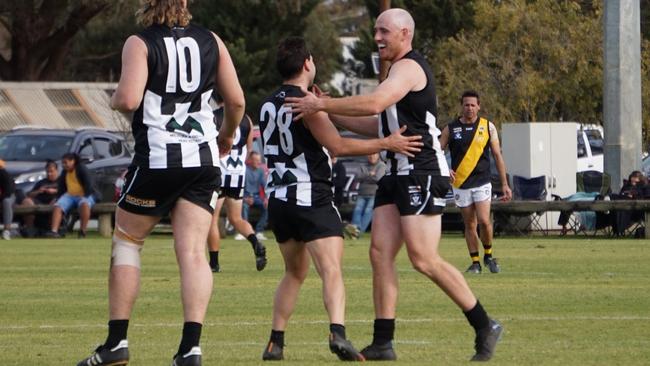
{"x":191,"y":337}
{"x":384,"y":331}
{"x":277,"y":337}
{"x":116,"y":332}
{"x":477,"y":317}
{"x":214,"y":258}
{"x":338,"y":329}
{"x":253,"y":240}
{"x":487,"y":251}
{"x":475,"y":257}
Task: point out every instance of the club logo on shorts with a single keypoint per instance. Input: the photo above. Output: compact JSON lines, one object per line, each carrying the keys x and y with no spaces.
{"x":415,"y":195}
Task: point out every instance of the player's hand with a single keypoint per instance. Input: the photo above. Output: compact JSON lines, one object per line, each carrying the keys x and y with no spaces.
{"x":406,"y":145}
{"x":452,"y":176}
{"x":303,"y":106}
{"x":225,"y":144}
{"x":507,"y":193}
{"x":318,"y":92}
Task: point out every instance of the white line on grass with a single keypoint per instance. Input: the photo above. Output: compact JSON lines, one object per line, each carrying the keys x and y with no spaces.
{"x":308,"y":322}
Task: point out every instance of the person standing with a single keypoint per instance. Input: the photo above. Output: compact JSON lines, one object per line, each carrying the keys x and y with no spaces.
{"x":170,"y":70}
{"x":304,"y":219}
{"x":370,"y":174}
{"x":7,"y":194}
{"x":410,"y":197}
{"x":254,"y":195}
{"x":471,"y":139}
{"x":232,"y":192}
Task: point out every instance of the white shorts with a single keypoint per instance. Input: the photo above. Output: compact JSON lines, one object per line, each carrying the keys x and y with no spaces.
{"x":466,"y":197}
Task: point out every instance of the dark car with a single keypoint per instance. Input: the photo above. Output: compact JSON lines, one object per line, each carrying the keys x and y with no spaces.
{"x":25,"y":151}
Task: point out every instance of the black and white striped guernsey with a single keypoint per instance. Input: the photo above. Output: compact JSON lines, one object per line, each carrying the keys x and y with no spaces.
{"x":300,"y":170}
{"x":233,"y":165}
{"x":174,"y":125}
{"x":417,"y":110}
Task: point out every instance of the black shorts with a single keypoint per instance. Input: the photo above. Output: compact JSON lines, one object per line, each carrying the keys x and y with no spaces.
{"x":301,"y":223}
{"x":154,"y":192}
{"x":413,"y":194}
{"x":232,"y":192}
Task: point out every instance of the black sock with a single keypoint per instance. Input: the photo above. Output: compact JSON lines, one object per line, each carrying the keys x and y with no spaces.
{"x":253,"y":240}
{"x":116,"y":332}
{"x":191,"y":337}
{"x":477,"y":317}
{"x":214,"y":258}
{"x":384,"y":331}
{"x":475,"y":257}
{"x":338,"y":329}
{"x":277,"y":337}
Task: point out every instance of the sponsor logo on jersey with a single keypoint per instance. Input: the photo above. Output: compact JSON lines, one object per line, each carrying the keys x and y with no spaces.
{"x":187,"y":127}
{"x":140,"y":202}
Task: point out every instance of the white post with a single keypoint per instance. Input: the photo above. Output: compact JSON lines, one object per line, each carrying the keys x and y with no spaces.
{"x":622,"y":89}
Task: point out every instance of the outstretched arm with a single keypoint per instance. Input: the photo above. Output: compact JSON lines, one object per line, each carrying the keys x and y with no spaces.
{"x":326,"y":134}
{"x":405,"y":75}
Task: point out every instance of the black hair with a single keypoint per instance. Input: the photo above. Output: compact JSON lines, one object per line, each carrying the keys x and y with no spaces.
{"x":470,"y":94}
{"x":292,"y":53}
{"x":50,"y":162}
{"x":71,"y":156}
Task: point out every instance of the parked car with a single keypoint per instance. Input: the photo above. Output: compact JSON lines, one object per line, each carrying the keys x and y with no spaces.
{"x":25,"y":151}
{"x":590,"y":148}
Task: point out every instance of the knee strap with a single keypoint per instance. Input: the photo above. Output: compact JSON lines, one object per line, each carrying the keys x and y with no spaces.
{"x":125,"y":252}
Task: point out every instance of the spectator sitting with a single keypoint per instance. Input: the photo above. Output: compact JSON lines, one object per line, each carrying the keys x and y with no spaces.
{"x":635,"y":186}
{"x":44,"y":193}
{"x":76,"y":189}
{"x":254,"y":194}
{"x":7,"y":190}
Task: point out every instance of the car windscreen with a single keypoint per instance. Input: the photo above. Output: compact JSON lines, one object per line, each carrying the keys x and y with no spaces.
{"x":33,"y":148}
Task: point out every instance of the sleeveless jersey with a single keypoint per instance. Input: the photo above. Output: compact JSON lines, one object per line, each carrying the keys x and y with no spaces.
{"x":300,"y":170}
{"x":233,"y":165}
{"x":174,"y":125}
{"x":417,"y":110}
{"x":466,"y":137}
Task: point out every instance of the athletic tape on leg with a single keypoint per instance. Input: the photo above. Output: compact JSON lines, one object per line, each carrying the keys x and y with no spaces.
{"x":125,"y":253}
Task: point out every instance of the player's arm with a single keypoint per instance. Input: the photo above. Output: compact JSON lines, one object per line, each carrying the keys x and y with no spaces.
{"x":444,"y":138}
{"x":232,"y":94}
{"x":366,"y":126}
{"x":130,"y":89}
{"x":495,"y":146}
{"x":326,"y":134}
{"x":405,"y":75}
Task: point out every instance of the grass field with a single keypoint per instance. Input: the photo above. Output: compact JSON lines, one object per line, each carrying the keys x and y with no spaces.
{"x":569,"y":301}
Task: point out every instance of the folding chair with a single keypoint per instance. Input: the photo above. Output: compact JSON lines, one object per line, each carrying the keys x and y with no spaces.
{"x":594,"y":181}
{"x":590,"y":185}
{"x":529,"y":189}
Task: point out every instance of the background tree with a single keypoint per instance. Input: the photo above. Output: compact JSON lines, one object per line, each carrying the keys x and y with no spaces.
{"x":528,"y":63}
{"x":41,"y":35}
{"x":252,"y":30}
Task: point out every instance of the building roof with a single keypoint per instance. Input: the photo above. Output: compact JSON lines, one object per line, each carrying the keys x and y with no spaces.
{"x":59,"y":105}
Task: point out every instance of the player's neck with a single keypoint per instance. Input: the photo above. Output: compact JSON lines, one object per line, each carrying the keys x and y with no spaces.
{"x":466,"y":121}
{"x":300,"y":81}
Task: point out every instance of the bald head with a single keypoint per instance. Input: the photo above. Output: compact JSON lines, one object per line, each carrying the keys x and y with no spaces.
{"x":400,"y":19}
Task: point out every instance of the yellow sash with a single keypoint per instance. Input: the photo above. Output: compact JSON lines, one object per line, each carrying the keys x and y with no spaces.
{"x":473,"y":154}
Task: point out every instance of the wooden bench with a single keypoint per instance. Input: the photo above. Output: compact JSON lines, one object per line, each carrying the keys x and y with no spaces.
{"x":104,"y":211}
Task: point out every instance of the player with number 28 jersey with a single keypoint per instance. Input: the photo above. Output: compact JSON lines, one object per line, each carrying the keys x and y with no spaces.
{"x":299,"y":167}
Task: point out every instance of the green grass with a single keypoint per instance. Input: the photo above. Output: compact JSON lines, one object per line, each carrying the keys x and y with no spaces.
{"x":563,"y":301}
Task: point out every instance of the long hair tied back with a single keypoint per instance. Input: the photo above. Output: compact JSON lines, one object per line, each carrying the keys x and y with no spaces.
{"x":168,"y":12}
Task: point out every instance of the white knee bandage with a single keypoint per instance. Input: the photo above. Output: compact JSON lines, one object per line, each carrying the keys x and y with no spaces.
{"x":125,"y":253}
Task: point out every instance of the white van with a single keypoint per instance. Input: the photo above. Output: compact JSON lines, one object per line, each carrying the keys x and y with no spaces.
{"x":591,"y":145}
